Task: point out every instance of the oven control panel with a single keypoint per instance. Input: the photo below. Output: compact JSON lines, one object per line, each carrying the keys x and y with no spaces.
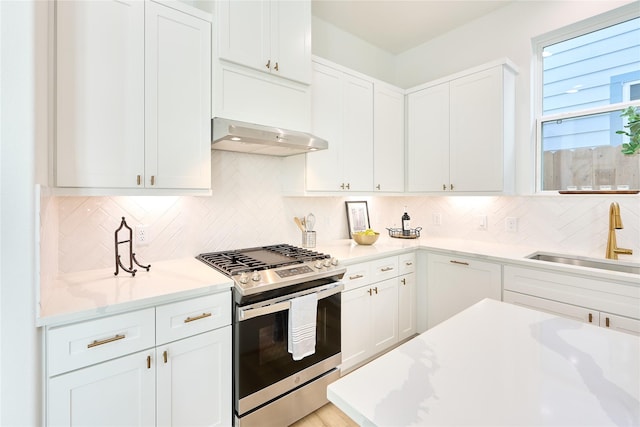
{"x":289,"y":272}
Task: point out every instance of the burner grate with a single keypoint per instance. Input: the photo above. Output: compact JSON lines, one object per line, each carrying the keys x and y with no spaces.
{"x":262,"y":258}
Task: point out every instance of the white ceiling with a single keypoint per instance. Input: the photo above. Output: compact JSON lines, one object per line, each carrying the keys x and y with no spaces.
{"x":399,"y":25}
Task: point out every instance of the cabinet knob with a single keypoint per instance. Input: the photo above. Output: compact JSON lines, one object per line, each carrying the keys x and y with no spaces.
{"x":378,"y":187}
{"x":444,"y":187}
{"x":268,"y":65}
{"x":342,"y":185}
{"x":348,"y":186}
{"x":451,"y":185}
{"x":276,"y":67}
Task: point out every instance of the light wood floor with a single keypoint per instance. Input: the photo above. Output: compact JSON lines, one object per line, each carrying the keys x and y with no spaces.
{"x":327,"y":416}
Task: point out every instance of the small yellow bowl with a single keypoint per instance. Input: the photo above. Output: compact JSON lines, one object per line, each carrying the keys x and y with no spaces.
{"x":365,"y":239}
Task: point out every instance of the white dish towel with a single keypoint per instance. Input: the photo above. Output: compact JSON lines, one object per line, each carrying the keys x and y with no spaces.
{"x":302,"y":326}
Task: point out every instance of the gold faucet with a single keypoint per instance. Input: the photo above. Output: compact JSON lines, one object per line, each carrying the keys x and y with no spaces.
{"x":615,"y":222}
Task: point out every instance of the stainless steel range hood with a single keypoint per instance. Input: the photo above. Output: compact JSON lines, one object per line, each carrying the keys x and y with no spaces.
{"x":232,"y":135}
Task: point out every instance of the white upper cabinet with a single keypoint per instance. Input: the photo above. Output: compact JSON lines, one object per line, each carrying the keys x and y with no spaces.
{"x":341,"y":113}
{"x":100,"y":93}
{"x":133,"y":87}
{"x":461,"y":132}
{"x":178,"y":103}
{"x":388,"y":138}
{"x":267,"y":35}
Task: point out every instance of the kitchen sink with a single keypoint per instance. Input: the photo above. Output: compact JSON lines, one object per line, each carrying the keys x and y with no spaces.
{"x":603,"y":264}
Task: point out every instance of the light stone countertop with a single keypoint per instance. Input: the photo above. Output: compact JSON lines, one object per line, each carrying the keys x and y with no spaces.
{"x":497,"y":364}
{"x":83,"y":295}
{"x":86,"y":294}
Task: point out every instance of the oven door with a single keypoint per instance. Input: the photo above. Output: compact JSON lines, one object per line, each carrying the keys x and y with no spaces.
{"x":263,"y":367}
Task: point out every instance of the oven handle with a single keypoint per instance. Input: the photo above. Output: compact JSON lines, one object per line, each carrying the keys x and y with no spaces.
{"x":282,"y":304}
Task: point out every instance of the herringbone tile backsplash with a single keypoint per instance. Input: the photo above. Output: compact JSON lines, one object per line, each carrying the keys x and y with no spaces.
{"x":247,"y":209}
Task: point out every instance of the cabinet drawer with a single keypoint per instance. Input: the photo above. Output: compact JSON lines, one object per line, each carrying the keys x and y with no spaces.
{"x":384,"y":268}
{"x":407,"y":263}
{"x":357,"y":275}
{"x":185,"y":318}
{"x":82,"y":344}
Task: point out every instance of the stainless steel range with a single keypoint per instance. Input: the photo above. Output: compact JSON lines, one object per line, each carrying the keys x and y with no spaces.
{"x":270,"y":387}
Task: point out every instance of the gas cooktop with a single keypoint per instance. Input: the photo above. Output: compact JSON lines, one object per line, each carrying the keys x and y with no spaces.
{"x":262,"y":269}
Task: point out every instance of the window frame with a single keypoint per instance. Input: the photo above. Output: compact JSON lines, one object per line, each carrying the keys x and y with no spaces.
{"x":607,"y":19}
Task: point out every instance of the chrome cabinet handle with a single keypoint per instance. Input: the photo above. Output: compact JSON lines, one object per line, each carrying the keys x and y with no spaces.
{"x":202,"y":316}
{"x":96,"y":343}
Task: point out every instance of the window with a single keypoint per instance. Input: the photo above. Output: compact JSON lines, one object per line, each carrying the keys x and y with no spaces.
{"x":587,"y":77}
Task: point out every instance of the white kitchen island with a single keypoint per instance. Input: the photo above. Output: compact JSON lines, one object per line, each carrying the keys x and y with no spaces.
{"x":497,"y":364}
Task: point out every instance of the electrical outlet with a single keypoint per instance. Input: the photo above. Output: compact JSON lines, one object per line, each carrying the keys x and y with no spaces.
{"x":482,"y":222}
{"x":142,"y":236}
{"x":436,"y":218}
{"x":511,"y":224}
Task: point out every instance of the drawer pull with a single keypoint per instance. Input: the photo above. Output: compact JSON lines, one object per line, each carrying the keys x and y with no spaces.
{"x":202,"y":316}
{"x":408,"y":263}
{"x":458,"y":262}
{"x":96,"y":343}
{"x":357,"y":276}
{"x":386,"y":269}
{"x":165,"y":356}
{"x":590,"y":318}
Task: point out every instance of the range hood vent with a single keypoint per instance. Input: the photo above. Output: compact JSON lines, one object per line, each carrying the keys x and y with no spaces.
{"x":232,"y":135}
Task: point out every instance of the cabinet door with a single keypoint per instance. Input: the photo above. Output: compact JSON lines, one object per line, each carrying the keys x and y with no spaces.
{"x":619,"y":323}
{"x":428,"y":139}
{"x":455,"y":283}
{"x":388,"y":142}
{"x":99,"y":93}
{"x":476,"y":132}
{"x":243,"y":32}
{"x":322,"y":167}
{"x":384,"y":314}
{"x":406,"y":306}
{"x":291,"y":39}
{"x":178,"y":103}
{"x":357,"y":127}
{"x":120,"y":392}
{"x":356,"y":328}
{"x":194,"y":380}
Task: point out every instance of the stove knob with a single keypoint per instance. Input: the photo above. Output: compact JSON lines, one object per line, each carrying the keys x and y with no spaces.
{"x":327,"y":262}
{"x":318,"y":265}
{"x":334,"y":261}
{"x":244,"y":278}
{"x":255,"y":276}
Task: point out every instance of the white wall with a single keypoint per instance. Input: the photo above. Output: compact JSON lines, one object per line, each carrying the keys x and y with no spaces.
{"x":20,"y":365}
{"x":341,"y":47}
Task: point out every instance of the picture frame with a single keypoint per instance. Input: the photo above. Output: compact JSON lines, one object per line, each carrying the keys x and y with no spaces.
{"x":357,"y":216}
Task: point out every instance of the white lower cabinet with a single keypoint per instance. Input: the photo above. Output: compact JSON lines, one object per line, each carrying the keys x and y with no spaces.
{"x":118,"y":371}
{"x":378,"y":307}
{"x":194,"y":380}
{"x":455,"y":283}
{"x":119,"y":392}
{"x":407,"y":298}
{"x":614,"y":305}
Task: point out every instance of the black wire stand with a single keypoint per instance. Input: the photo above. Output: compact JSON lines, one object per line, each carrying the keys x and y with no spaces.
{"x":132,"y":255}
